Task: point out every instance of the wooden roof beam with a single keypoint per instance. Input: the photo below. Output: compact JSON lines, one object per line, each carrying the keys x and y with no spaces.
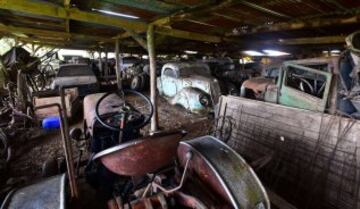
{"x":44,"y":33}
{"x":142,"y":42}
{"x":337,"y":4}
{"x":39,"y":41}
{"x":51,"y":10}
{"x":297,"y":25}
{"x":55,"y":11}
{"x":192,"y":13}
{"x":263,"y":9}
{"x":187,"y":35}
{"x":214,"y":7}
{"x":149,"y":5}
{"x":312,"y":40}
{"x":322,"y":40}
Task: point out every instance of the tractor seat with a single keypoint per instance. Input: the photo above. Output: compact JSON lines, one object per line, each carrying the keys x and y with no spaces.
{"x":142,"y":156}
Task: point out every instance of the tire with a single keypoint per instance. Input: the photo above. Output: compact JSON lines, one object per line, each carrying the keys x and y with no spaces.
{"x":147,"y":82}
{"x":143,"y":82}
{"x":50,"y":168}
{"x":3,"y":146}
{"x":136,"y":83}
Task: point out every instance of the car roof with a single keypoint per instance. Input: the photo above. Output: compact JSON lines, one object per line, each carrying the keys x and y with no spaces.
{"x":179,"y":65}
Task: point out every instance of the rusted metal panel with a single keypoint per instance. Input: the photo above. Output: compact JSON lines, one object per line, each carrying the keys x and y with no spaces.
{"x":225,"y":171}
{"x":306,"y":84}
{"x":71,"y":100}
{"x":258,"y":85}
{"x":139,"y":157}
{"x":49,"y":193}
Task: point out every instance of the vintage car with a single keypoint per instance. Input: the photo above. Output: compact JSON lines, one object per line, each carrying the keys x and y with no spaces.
{"x":306,"y":84}
{"x":230,"y":74}
{"x":76,"y":75}
{"x":189,"y":85}
{"x":134,"y":75}
{"x":159,"y":171}
{"x":325,"y":84}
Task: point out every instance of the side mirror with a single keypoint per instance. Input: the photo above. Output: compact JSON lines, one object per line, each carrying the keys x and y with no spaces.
{"x":75,"y":134}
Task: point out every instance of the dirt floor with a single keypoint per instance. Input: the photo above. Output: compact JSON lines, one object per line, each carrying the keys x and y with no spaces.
{"x":28,"y":166}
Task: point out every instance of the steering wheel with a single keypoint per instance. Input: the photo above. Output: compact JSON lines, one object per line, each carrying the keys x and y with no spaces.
{"x":125,"y":109}
{"x":304,"y":81}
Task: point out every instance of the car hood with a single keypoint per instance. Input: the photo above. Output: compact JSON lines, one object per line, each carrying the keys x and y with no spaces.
{"x":209,"y":85}
{"x":73,"y":81}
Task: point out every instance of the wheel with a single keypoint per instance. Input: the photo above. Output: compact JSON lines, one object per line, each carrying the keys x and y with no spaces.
{"x":50,"y":168}
{"x":136,"y":83}
{"x":143,"y":82}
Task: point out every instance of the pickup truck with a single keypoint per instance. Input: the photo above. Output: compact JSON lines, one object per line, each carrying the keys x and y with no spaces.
{"x":307,"y":84}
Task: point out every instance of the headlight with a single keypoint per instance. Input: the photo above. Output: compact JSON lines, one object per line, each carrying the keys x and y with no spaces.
{"x":205,"y":100}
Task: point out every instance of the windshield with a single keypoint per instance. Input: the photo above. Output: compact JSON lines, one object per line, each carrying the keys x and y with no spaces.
{"x":188,"y":71}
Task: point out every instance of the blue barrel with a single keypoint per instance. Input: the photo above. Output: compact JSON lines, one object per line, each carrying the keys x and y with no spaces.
{"x":52,"y":122}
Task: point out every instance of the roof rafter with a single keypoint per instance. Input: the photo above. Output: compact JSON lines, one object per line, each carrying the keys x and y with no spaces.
{"x":263,"y":9}
{"x":44,"y":9}
{"x":301,"y":24}
{"x":313,"y":40}
{"x":192,"y":13}
{"x":151,"y":5}
{"x":51,"y":10}
{"x":40,"y":32}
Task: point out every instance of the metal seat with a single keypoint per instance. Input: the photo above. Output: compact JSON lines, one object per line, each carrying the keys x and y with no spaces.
{"x":139,"y":157}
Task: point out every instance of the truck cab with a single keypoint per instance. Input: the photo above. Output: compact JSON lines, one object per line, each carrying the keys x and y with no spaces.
{"x":305,"y":84}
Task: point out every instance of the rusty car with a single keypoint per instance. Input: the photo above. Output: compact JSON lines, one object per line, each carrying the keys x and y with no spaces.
{"x":79,"y":75}
{"x":129,"y":170}
{"x":325,"y":84}
{"x":230,"y":74}
{"x":190,"y":85}
{"x":306,"y":84}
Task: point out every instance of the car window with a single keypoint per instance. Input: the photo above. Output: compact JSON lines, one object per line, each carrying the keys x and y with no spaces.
{"x":170,"y":72}
{"x":309,"y":82}
{"x":75,"y":70}
{"x":321,"y":67}
{"x":189,"y":71}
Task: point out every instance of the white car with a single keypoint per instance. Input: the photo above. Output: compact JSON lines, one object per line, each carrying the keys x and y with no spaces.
{"x":190,"y":85}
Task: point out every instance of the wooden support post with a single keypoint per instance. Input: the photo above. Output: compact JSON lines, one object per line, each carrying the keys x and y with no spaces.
{"x":118,"y":64}
{"x":100,"y":64}
{"x":106,"y":67}
{"x":33,"y":49}
{"x":137,"y":38}
{"x":151,"y":51}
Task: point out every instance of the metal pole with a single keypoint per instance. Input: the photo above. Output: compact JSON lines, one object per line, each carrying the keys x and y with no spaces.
{"x":72,"y":180}
{"x":118,"y":65}
{"x":68,"y":147}
{"x":151,"y":51}
{"x":106,"y":70}
{"x":100,"y":64}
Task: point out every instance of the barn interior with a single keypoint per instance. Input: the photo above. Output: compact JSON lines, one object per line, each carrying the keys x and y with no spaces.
{"x":160,"y":104}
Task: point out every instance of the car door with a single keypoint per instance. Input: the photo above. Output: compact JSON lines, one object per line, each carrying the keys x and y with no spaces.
{"x":168,"y":82}
{"x":304,"y":87}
